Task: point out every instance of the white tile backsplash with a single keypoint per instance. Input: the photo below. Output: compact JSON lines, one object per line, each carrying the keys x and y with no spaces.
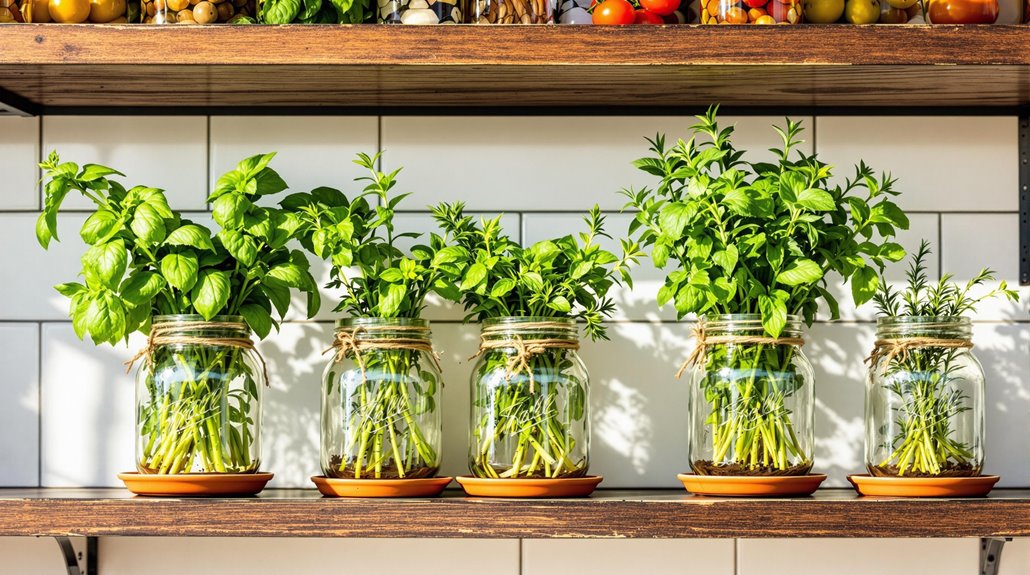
{"x":19,"y":410}
{"x":942,"y":164}
{"x":311,"y":151}
{"x":30,"y":556}
{"x":19,"y":154}
{"x":167,"y":152}
{"x":972,"y":242}
{"x":603,"y":557}
{"x":220,"y":555}
{"x":857,"y":556}
{"x":538,"y":163}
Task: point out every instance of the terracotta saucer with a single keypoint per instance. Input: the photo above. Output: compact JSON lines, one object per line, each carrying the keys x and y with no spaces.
{"x":522,"y":488}
{"x":425,"y":487}
{"x":924,"y":486}
{"x":752,"y":485}
{"x":195,"y":484}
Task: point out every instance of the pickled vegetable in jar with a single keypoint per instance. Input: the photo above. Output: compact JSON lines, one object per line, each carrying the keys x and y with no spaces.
{"x":751,"y":12}
{"x":195,"y":11}
{"x":962,"y":11}
{"x":420,"y":12}
{"x":511,"y":12}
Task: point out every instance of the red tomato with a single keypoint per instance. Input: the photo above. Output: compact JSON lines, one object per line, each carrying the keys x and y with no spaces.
{"x":614,"y":12}
{"x":660,"y":7}
{"x":647,"y":17}
{"x":963,"y":11}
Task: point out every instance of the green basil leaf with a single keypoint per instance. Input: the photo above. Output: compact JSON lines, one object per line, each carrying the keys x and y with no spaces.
{"x":447,"y":255}
{"x":147,"y":224}
{"x":392,"y":275}
{"x":44,"y":235}
{"x":211,"y":292}
{"x":100,"y":226}
{"x":279,"y":296}
{"x":180,"y":270}
{"x":269,"y":182}
{"x":239,"y":245}
{"x":106,"y":263}
{"x":93,"y":172}
{"x":140,"y":288}
{"x":105,"y":317}
{"x":673,"y":219}
{"x":290,"y":275}
{"x":473,"y":277}
{"x":70,"y":289}
{"x":502,"y":287}
{"x":258,"y":318}
{"x":803,"y":271}
{"x":774,"y":315}
{"x":390,"y":301}
{"x":228,"y":210}
{"x":191,"y":235}
{"x":817,"y":200}
{"x":560,"y":304}
{"x":864,"y":283}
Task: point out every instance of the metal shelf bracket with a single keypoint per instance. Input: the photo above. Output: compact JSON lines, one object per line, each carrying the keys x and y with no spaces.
{"x":80,"y":554}
{"x":990,"y":554}
{"x":1024,"y":197}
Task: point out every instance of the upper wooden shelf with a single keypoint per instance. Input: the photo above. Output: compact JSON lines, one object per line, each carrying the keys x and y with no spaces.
{"x":49,"y":68}
{"x":642,"y":514}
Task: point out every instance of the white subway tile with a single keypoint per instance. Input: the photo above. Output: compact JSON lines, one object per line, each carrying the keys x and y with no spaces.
{"x":837,"y":352}
{"x":1016,"y":558}
{"x":19,"y":154}
{"x":33,"y":297}
{"x":291,"y":417}
{"x":972,"y":242}
{"x":87,"y":410}
{"x":1004,"y":351}
{"x":612,"y":556}
{"x":19,"y":408}
{"x":30,"y":556}
{"x":273,"y":556}
{"x":163,"y":152}
{"x":539,"y":163}
{"x":456,"y":343}
{"x":857,"y":556}
{"x":942,"y":163}
{"x":312,"y":151}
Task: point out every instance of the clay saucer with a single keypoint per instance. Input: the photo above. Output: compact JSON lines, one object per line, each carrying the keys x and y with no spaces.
{"x":923,"y":486}
{"x":752,"y":485}
{"x":195,"y":484}
{"x":528,"y":488}
{"x":424,"y":487}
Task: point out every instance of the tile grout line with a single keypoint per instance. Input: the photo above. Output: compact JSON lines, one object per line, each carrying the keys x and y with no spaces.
{"x":520,"y":557}
{"x":39,"y":404}
{"x":39,"y":160}
{"x":940,"y":245}
{"x":736,"y":556}
{"x":207,"y":156}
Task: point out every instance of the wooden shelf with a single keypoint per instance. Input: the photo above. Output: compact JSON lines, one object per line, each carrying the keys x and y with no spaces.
{"x":609,"y":513}
{"x":53,"y":68}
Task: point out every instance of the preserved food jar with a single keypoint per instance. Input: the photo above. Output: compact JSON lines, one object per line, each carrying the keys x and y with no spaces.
{"x":419,"y":12}
{"x":198,"y":397}
{"x":924,"y":400}
{"x":751,"y":12}
{"x":962,"y":11}
{"x":511,"y":12}
{"x":530,"y":393}
{"x":381,"y":412}
{"x":751,"y":399}
{"x":195,"y":11}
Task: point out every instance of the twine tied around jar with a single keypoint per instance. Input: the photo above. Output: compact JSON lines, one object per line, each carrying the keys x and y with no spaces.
{"x":160,"y":335}
{"x":900,"y":347}
{"x":697,"y":356}
{"x":524,"y":350}
{"x":348,"y":341}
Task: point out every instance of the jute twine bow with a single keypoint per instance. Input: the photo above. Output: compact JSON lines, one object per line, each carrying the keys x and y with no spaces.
{"x":351,"y":342}
{"x":703,"y":342}
{"x":900,"y":348}
{"x":524,"y":350}
{"x":160,"y":334}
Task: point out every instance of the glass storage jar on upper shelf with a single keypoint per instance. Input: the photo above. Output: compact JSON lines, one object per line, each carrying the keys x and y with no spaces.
{"x":924,"y":401}
{"x":40,"y":12}
{"x":751,"y":404}
{"x":198,"y":403}
{"x":196,"y":11}
{"x":419,"y":11}
{"x":751,"y":11}
{"x":530,"y":405}
{"x":962,"y":11}
{"x":511,"y":12}
{"x":381,"y":409}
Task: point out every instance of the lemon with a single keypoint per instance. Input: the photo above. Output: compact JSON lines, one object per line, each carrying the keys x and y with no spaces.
{"x":823,"y":11}
{"x":862,"y":11}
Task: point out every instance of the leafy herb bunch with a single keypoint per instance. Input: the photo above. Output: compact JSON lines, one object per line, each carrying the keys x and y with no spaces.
{"x":145,"y":259}
{"x":928,"y":382}
{"x":563,"y":277}
{"x":313,"y":12}
{"x":756,"y":237}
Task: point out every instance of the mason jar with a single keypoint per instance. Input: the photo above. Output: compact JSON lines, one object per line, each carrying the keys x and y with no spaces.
{"x":924,"y":408}
{"x":419,"y":12}
{"x":751,"y":12}
{"x":381,"y":410}
{"x":198,"y":397}
{"x":962,"y":11}
{"x":751,"y":403}
{"x":195,"y":11}
{"x":511,"y":12}
{"x":530,"y":401}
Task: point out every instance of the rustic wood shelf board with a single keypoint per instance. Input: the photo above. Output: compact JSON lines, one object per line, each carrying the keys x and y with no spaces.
{"x":609,"y":513}
{"x":315,"y":68}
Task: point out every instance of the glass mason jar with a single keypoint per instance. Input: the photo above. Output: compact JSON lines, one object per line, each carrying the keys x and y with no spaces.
{"x":751,"y":12}
{"x":751,"y":404}
{"x":924,"y":408}
{"x":381,"y":411}
{"x":901,"y":12}
{"x":198,"y":403}
{"x":511,"y":12}
{"x":195,"y":11}
{"x":962,"y":11}
{"x":419,"y":12}
{"x":530,"y":407}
